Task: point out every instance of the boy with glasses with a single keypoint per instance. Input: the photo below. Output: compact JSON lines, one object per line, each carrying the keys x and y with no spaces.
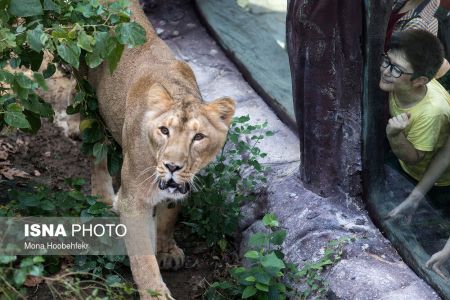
{"x":418,"y":104}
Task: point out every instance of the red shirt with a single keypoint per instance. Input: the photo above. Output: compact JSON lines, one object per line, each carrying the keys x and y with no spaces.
{"x":395,"y":16}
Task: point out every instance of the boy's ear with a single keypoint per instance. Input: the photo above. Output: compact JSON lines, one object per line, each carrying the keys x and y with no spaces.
{"x":420,"y":81}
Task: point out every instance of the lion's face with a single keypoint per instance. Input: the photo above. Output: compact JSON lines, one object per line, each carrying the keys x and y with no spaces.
{"x":184,"y":138}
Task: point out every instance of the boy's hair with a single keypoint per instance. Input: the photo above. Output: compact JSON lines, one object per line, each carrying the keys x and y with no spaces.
{"x":422,"y":49}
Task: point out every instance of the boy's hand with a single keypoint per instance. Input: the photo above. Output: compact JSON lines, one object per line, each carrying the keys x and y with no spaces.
{"x":407,"y":208}
{"x":397,"y":124}
{"x":437,"y":260}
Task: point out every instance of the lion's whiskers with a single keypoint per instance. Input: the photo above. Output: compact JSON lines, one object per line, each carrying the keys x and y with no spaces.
{"x":146,"y":170}
{"x":195,"y":186}
{"x":153,"y":175}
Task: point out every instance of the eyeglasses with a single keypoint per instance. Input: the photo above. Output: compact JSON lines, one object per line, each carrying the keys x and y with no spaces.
{"x":394,"y":69}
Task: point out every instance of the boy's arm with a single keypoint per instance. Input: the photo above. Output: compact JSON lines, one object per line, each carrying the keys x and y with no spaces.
{"x":400,"y":145}
{"x":437,"y":167}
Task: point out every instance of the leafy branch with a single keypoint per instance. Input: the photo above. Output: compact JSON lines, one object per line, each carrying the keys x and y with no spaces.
{"x":74,"y":33}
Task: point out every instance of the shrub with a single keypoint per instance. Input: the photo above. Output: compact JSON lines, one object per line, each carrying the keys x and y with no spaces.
{"x":89,"y":275}
{"x":213,"y":211}
{"x":269,"y":276}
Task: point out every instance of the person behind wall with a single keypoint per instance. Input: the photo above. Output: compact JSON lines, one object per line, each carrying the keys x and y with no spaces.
{"x":419,"y":14}
{"x":443,"y":16}
{"x":412,"y":14}
{"x":419,"y":106}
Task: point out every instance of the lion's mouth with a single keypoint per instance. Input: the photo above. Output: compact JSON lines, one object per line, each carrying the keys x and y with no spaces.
{"x":173,"y":187}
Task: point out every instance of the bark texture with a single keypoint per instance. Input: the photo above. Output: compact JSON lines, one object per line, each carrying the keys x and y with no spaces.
{"x":324,"y":41}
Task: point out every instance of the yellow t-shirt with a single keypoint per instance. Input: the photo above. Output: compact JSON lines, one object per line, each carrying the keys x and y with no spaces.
{"x":429,"y":128}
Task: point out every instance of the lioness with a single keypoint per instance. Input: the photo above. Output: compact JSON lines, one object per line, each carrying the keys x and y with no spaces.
{"x":153,"y":108}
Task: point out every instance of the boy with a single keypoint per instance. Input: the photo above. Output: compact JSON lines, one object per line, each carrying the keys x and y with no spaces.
{"x":418,"y":104}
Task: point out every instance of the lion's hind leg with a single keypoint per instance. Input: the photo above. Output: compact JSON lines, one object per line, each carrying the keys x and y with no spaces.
{"x":101,"y":182}
{"x":170,"y":256}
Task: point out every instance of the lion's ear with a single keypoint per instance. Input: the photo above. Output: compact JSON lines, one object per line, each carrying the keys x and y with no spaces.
{"x":224,"y":108}
{"x":159,"y":97}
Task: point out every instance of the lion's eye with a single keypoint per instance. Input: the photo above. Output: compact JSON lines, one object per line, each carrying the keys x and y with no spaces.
{"x":164,"y":130}
{"x":199,"y":136}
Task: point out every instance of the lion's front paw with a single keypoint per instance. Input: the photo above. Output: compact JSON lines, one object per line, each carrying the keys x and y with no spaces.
{"x":171,"y":260}
{"x":160,"y":293}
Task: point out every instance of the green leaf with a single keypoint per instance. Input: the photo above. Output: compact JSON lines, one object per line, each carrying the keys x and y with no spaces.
{"x":85,"y":41}
{"x":85,"y":9}
{"x":36,"y":271}
{"x":29,"y":200}
{"x":60,"y":33}
{"x":96,"y":208}
{"x":249,"y":292}
{"x":14,"y":107}
{"x":250,"y":279}
{"x":109,"y":266}
{"x":241,"y":119}
{"x":34,"y":120}
{"x":262,"y":287}
{"x":272,"y":261}
{"x":50,"y":5}
{"x":47,"y":205}
{"x":114,"y":57}
{"x":252,"y":254}
{"x":131,"y":34}
{"x":113,"y":279}
{"x":104,"y":44}
{"x":93,"y":60}
{"x":70,"y":52}
{"x":21,"y":92}
{"x":16,"y":119}
{"x":114,"y":162}
{"x":7,"y":39}
{"x":100,"y":151}
{"x":270,"y":220}
{"x":6,"y":76}
{"x":77,"y":195}
{"x":19,"y":277}
{"x":222,"y":244}
{"x":40,"y":80}
{"x":37,"y":38}
{"x":4,"y":16}
{"x":262,"y":277}
{"x":51,"y":69}
{"x":278,"y":237}
{"x":38,"y":106}
{"x":6,"y":259}
{"x":259,"y":240}
{"x":25,"y":8}
{"x":26,"y":262}
{"x":23,"y":81}
{"x":92,"y":134}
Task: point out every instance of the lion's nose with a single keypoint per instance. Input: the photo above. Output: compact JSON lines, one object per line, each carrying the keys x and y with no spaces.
{"x":172,"y":167}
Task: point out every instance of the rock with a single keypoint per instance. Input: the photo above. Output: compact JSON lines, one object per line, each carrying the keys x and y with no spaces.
{"x":376,"y":279}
